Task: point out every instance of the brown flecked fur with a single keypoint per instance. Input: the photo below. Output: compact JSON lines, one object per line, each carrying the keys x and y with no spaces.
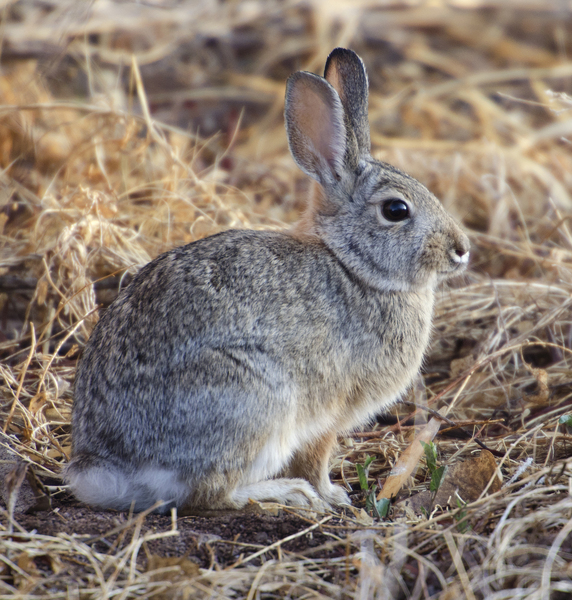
{"x":238,"y":358}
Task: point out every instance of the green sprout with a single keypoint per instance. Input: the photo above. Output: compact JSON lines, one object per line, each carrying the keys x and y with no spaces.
{"x":462,"y":524}
{"x":375,"y":507}
{"x":437,"y":473}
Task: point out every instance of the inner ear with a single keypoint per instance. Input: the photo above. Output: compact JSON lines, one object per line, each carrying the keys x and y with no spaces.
{"x":315,"y":125}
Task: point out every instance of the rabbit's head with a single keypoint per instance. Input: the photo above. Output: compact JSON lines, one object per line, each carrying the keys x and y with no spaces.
{"x":383,"y":225}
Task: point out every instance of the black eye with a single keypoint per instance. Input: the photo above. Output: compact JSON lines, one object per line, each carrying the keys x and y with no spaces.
{"x":395,"y":210}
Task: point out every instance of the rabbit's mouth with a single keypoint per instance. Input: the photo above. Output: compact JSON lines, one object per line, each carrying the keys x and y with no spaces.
{"x":457,"y":264}
{"x":456,"y":269}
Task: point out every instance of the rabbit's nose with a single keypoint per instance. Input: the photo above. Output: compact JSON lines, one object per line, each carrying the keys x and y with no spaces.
{"x":462,"y":258}
{"x":461,"y":252}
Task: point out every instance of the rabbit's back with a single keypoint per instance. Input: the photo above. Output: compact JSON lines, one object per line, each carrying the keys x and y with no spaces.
{"x":229,"y":334}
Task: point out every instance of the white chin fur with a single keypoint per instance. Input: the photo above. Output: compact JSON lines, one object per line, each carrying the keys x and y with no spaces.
{"x":110,"y":487}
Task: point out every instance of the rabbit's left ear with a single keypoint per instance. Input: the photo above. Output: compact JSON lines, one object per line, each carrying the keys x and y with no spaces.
{"x":315,"y":125}
{"x":346,"y":73}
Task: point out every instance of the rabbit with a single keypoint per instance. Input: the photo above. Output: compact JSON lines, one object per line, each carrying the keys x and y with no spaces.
{"x":227,"y":368}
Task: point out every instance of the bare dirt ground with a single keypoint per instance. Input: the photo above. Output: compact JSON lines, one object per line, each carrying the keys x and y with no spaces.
{"x":216,"y":539}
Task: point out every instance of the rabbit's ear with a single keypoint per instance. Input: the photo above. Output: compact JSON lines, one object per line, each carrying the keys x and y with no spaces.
{"x":317,"y":134}
{"x":346,"y":72}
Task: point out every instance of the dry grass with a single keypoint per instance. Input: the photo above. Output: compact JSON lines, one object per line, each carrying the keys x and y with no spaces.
{"x":126,"y":129}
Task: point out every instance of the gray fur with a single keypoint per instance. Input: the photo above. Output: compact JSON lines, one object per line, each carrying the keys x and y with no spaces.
{"x":227,"y":368}
{"x":346,"y":72}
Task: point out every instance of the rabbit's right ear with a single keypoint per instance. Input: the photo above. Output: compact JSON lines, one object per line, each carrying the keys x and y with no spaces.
{"x":317,"y":134}
{"x":346,"y":72}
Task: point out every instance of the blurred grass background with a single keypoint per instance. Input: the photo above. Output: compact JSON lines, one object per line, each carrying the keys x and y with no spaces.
{"x":127,"y":128}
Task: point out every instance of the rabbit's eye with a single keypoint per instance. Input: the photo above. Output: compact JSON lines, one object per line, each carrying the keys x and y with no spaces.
{"x":395,"y":210}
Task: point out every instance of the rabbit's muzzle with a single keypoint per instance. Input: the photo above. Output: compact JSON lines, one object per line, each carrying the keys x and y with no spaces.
{"x":446,"y":253}
{"x":461,"y":251}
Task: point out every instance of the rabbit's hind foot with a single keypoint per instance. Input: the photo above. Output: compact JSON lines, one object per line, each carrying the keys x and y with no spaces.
{"x":108,"y":486}
{"x":292,"y":492}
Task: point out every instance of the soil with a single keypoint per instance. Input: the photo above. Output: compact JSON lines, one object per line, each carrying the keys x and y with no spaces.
{"x":218,"y":540}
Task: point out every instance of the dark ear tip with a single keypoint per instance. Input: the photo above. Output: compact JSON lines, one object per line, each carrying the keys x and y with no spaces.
{"x":341,"y":51}
{"x":344,"y":54}
{"x":334,"y":54}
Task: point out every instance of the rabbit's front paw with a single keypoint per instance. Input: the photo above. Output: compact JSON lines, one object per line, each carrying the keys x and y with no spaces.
{"x":335,"y":495}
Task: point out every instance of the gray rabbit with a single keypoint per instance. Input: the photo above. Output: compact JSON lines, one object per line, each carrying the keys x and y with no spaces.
{"x":228,"y":367}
